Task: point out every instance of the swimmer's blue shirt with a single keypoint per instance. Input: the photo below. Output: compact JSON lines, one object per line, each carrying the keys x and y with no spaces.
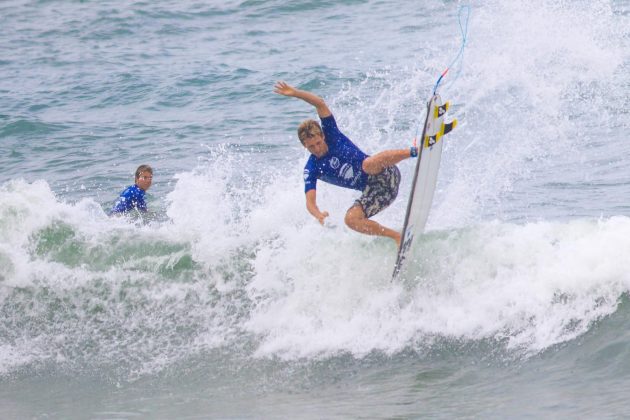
{"x":131,"y":198}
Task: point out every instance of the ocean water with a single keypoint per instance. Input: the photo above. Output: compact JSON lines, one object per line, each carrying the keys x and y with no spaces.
{"x":228,"y":300}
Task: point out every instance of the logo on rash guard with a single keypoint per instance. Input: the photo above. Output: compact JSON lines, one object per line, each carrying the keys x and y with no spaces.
{"x":334,"y":162}
{"x":346,"y":171}
{"x":306,"y":173}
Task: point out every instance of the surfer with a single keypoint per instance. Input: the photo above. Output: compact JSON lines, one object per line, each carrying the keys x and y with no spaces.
{"x":132,"y":198}
{"x":338,"y":161}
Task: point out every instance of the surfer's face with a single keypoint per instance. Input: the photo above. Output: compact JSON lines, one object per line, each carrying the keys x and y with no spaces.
{"x":316,"y":145}
{"x":144,"y":180}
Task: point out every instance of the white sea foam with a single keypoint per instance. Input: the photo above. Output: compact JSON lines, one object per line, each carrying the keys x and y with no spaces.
{"x":528,"y":286}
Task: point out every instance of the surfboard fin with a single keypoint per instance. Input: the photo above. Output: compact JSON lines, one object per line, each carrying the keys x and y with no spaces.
{"x":429,"y":141}
{"x":444,"y":129}
{"x":448,"y":127}
{"x":441,"y":110}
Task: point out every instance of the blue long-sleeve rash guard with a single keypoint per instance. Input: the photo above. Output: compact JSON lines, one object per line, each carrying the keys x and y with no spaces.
{"x":131,"y":198}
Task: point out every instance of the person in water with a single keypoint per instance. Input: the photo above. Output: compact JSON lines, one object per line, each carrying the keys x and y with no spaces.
{"x":132,"y":198}
{"x":338,"y":161}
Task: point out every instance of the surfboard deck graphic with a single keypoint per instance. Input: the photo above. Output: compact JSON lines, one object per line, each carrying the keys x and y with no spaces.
{"x":424,"y":179}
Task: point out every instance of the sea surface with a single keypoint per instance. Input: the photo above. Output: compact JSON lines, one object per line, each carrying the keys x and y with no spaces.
{"x":228,"y":300}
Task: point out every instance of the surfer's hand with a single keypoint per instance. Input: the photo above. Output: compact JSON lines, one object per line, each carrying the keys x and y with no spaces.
{"x":321,"y":217}
{"x":283,"y":88}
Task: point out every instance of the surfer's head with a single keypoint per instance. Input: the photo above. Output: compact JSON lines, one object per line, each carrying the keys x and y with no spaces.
{"x":311,"y":135}
{"x":144,"y":177}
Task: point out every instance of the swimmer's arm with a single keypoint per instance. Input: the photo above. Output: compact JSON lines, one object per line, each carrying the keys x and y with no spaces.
{"x":311,"y":206}
{"x":283,"y":88}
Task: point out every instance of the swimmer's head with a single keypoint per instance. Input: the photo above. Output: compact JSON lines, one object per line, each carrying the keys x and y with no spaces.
{"x":144,"y":177}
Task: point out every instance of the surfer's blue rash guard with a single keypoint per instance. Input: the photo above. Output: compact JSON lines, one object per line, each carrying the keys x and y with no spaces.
{"x":341,"y":166}
{"x":131,"y":198}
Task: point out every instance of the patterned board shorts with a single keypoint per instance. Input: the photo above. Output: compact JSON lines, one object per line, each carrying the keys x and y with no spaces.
{"x":381,"y":190}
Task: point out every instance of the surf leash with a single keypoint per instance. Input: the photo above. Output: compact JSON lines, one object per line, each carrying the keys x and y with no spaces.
{"x":463,"y":28}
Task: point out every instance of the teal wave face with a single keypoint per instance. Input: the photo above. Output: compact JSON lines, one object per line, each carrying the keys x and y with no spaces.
{"x":122,"y":302}
{"x":60,"y":243}
{"x":27,"y":127}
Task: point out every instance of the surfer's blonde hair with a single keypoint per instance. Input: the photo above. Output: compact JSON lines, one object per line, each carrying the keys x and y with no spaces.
{"x":143,"y":168}
{"x":309,"y":129}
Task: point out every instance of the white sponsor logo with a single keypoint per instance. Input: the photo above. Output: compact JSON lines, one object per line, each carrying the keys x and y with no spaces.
{"x":334,"y":162}
{"x":346,"y":171}
{"x":306,"y":173}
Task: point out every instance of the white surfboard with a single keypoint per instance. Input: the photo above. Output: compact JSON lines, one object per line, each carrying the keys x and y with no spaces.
{"x":424,"y":180}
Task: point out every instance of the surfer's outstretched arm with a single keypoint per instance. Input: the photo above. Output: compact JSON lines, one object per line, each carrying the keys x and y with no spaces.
{"x":283,"y":88}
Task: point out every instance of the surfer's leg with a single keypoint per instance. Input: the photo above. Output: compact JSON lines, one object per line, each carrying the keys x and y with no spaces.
{"x":381,"y":190}
{"x":356,"y":220}
{"x":375,"y":164}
